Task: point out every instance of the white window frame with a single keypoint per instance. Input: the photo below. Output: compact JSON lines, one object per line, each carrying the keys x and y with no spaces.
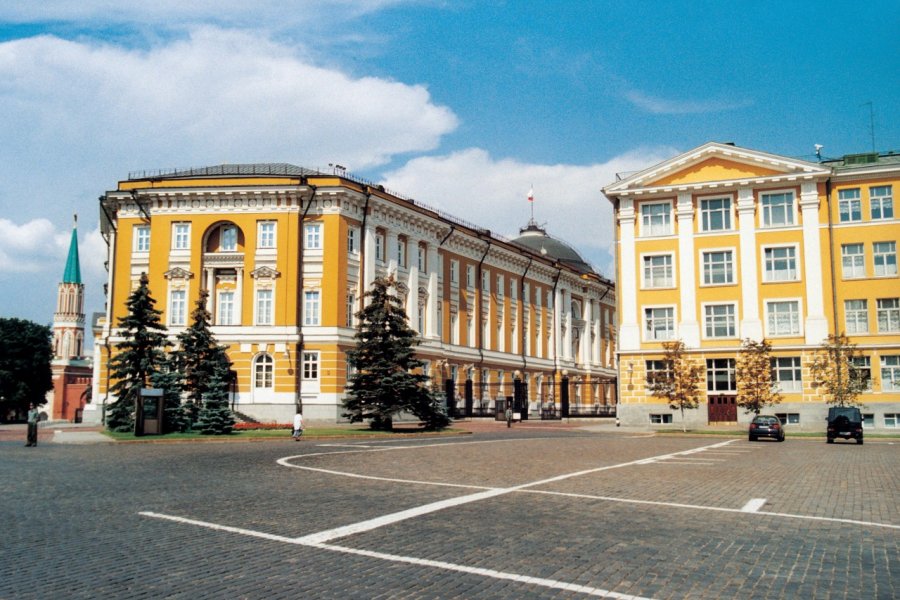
{"x":454,"y":272}
{"x":769,"y":275}
{"x":264,"y":306}
{"x":768,"y":305}
{"x":884,"y":202}
{"x":181,"y":235}
{"x":352,"y":243}
{"x":706,"y":266}
{"x":650,"y":229}
{"x":856,"y":318}
{"x":311,"y":307}
{"x":856,"y":269}
{"x":887,"y":257}
{"x":706,"y":213}
{"x":864,"y":363}
{"x":780,"y":366}
{"x":765,"y":213}
{"x":225,"y":307}
{"x":309,"y":365}
{"x":454,"y":328}
{"x":705,"y":306}
{"x":891,"y":420}
{"x":379,"y":246}
{"x":849,"y":205}
{"x":401,"y":253}
{"x":890,"y":373}
{"x":265,"y":235}
{"x":350,"y":310}
{"x":421,"y":258}
{"x":226,"y":245}
{"x":263,"y":371}
{"x":178,"y":308}
{"x":667,"y":281}
{"x":312,"y":236}
{"x":889,"y":314}
{"x":142,"y":239}
{"x":672,"y":319}
{"x":470,"y":277}
{"x":712,"y":369}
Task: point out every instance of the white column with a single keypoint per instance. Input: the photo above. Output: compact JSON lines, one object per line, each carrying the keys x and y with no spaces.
{"x":432,"y":261}
{"x":586,"y":334}
{"x":412,"y":300}
{"x":751,"y":325}
{"x":629,"y":327}
{"x":211,"y":288}
{"x":368,"y":266}
{"x":597,"y":328}
{"x":688,"y":328}
{"x":239,"y":297}
{"x":566,"y":309}
{"x":816,"y":326}
{"x":556,"y":340}
{"x":390,"y":251}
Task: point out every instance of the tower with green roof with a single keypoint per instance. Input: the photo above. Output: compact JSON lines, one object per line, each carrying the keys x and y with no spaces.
{"x":68,"y":321}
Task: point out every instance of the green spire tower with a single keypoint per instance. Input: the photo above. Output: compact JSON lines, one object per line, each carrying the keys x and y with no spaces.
{"x":73,"y":267}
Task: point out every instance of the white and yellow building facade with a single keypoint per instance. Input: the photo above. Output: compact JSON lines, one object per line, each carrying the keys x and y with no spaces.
{"x":287,"y":255}
{"x":724,"y":243}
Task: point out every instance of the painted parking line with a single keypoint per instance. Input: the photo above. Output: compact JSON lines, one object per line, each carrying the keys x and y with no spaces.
{"x":410,"y":560}
{"x":754,"y":505}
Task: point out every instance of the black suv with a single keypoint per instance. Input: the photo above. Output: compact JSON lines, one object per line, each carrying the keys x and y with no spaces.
{"x":845,"y":422}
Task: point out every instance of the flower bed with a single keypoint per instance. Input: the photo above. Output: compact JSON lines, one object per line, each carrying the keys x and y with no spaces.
{"x":254,"y":426}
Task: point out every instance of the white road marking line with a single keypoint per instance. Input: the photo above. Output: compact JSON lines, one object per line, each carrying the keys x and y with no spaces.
{"x":526,"y":579}
{"x":343,"y":446}
{"x":713,"y":508}
{"x":389,"y":519}
{"x":754,"y":505}
{"x":393,"y":479}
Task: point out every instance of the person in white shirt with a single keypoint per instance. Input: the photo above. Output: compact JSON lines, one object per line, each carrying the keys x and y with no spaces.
{"x":298,"y":426}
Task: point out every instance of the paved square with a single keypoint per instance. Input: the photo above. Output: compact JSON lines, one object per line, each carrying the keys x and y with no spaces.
{"x":521,"y":513}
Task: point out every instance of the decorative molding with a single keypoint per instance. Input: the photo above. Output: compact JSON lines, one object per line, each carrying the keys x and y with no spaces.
{"x":178,"y":273}
{"x":264,"y":272}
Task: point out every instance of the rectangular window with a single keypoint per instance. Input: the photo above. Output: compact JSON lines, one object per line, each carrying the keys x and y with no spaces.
{"x":786,"y":373}
{"x":263,"y":307}
{"x":850,"y":206}
{"x":454,"y":328}
{"x":720,"y":321}
{"x":789,"y":418}
{"x":379,"y":247}
{"x":311,"y":308}
{"x":470,"y":331}
{"x":225,"y":308}
{"x":892,"y":419}
{"x":485,"y":281}
{"x":656,"y":218}
{"x":657,"y":370}
{"x":718,"y":267}
{"x":526,"y":293}
{"x":421,"y":319}
{"x":881,"y":199}
{"x":499,"y":287}
{"x":778,"y":209}
{"x":513,"y":290}
{"x":401,"y":252}
{"x":351,"y":309}
{"x":856,"y":316}
{"x":181,"y":236}
{"x":720,"y":375}
{"x":142,"y":238}
{"x":890,"y":373}
{"x":659,"y":323}
{"x":310,"y":365}
{"x":266,"y":234}
{"x":780,"y":263}
{"x":888,"y":313}
{"x":420,"y":262}
{"x":658,"y":271}
{"x":454,"y":271}
{"x":470,"y":276}
{"x":783,"y":318}
{"x":853,"y":261}
{"x":885,"y":255}
{"x":863,"y":367}
{"x":228,"y":241}
{"x":660,"y":419}
{"x":352,"y":245}
{"x":177,"y":305}
{"x":715,"y":214}
{"x":313,"y":237}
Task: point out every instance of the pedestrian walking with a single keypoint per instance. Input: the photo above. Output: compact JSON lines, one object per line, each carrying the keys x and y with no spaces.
{"x":509,"y":416}
{"x":34,"y":415}
{"x":298,"y":426}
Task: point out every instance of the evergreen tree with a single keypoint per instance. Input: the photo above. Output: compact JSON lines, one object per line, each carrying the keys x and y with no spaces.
{"x":215,"y":417}
{"x":137,"y":357}
{"x":25,"y":355}
{"x":200,"y":357}
{"x":168,"y":379}
{"x":753,"y":372}
{"x":680,"y":382}
{"x":383,"y":383}
{"x":838,"y":372}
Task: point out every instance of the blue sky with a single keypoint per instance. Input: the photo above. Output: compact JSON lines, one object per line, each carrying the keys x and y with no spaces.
{"x":462,"y":105}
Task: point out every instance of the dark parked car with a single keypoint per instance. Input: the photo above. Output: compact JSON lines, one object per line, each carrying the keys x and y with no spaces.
{"x":766,"y":426}
{"x":844,"y":422}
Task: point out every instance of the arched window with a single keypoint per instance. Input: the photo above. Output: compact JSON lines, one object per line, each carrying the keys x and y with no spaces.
{"x":263,"y":371}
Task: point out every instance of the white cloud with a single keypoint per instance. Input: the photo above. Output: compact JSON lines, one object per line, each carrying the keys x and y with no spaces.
{"x":29,"y":247}
{"x":492,"y":193}
{"x":657,"y":105}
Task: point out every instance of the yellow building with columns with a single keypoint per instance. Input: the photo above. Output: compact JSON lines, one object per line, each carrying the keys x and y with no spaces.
{"x":723,"y":243}
{"x":287,"y":254}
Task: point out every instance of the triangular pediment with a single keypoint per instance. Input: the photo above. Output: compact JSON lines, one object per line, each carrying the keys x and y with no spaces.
{"x":714,"y":164}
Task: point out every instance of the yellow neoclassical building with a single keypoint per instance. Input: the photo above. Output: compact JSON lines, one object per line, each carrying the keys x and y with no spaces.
{"x":287,"y":254}
{"x":723,"y":243}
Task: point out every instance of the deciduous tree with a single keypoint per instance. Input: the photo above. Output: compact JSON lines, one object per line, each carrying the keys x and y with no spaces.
{"x":836,"y":371}
{"x":25,"y":355}
{"x":680,"y":382}
{"x":753,"y":371}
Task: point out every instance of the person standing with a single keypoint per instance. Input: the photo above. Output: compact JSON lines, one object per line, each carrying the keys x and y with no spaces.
{"x":34,"y":415}
{"x":298,"y":426}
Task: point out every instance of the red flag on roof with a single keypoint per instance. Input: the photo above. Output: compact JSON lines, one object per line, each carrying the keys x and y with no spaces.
{"x":531,"y":195}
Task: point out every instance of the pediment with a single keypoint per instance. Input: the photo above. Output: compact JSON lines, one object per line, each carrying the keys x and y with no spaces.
{"x":178,"y":273}
{"x":264,"y":272}
{"x":715,"y":164}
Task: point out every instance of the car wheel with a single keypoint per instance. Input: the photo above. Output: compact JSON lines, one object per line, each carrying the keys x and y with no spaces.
{"x":781,"y":439}
{"x":859,"y":441}
{"x":830,"y":440}
{"x":752,"y":438}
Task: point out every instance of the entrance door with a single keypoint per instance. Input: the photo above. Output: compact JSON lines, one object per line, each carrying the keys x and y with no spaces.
{"x":722,"y":409}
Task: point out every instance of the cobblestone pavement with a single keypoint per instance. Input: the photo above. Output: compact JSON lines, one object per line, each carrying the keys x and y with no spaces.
{"x":525,"y":512}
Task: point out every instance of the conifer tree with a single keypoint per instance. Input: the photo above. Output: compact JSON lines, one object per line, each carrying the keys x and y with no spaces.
{"x":753,"y":373}
{"x":200,"y":357}
{"x":680,"y":382}
{"x":215,"y":417}
{"x":137,"y":357}
{"x":384,"y":383}
{"x":168,"y":379}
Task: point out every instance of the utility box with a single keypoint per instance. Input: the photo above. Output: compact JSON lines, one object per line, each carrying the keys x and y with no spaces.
{"x":148,"y":412}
